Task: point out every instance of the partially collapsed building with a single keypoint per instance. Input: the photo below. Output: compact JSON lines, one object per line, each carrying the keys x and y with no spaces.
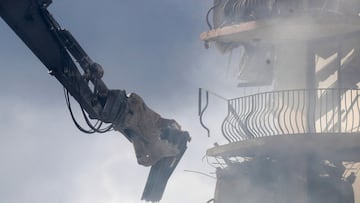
{"x":300,"y":141}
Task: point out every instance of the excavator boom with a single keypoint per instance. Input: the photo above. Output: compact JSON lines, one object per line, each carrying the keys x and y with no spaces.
{"x":31,"y":21}
{"x":158,"y":142}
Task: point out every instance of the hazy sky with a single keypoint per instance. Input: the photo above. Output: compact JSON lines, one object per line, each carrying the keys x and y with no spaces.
{"x":148,"y":47}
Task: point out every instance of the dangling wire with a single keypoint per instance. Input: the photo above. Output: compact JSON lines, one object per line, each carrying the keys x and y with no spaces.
{"x":207,"y":17}
{"x":208,"y":13}
{"x":202,"y":110}
{"x":201,"y":173}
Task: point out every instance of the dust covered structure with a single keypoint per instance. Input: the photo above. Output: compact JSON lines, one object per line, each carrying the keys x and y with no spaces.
{"x":300,"y":141}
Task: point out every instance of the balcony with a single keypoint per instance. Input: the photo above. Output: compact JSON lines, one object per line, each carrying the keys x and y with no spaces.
{"x":321,"y":121}
{"x":292,"y":112}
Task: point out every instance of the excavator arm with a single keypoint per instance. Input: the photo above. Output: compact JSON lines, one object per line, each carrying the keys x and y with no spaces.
{"x":56,"y":49}
{"x":158,"y":142}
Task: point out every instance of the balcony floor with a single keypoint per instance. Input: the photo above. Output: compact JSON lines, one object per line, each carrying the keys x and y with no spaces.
{"x":300,"y":27}
{"x":334,"y":146}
